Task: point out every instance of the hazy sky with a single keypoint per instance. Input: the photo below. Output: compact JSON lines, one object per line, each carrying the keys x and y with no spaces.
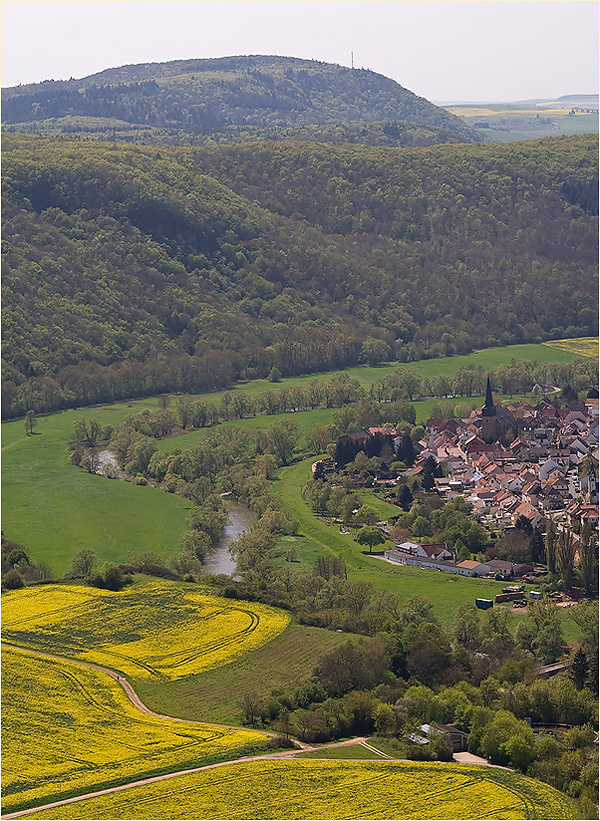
{"x":445,"y":50}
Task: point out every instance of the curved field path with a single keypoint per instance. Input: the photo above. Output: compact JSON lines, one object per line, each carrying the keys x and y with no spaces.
{"x":285,"y":754}
{"x":129,"y":691}
{"x":139,"y":704}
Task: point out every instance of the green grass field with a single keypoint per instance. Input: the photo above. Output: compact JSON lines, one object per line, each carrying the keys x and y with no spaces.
{"x":446,"y":591}
{"x":349,"y":752}
{"x":217,"y":695}
{"x":54,"y":509}
{"x":490,"y":359}
{"x":315,"y":538}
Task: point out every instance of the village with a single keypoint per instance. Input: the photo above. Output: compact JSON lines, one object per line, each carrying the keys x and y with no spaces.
{"x":515,"y":465}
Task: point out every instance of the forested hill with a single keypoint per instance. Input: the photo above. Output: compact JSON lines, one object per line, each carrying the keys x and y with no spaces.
{"x":234,"y":99}
{"x":137,"y":269}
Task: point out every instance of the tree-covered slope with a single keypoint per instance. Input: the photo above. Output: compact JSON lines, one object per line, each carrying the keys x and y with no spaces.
{"x":235,"y":99}
{"x":130,"y":269}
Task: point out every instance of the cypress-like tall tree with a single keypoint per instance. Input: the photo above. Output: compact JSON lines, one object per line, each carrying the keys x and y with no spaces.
{"x":588,"y":561}
{"x":579,"y":669}
{"x":565,"y":557}
{"x":550,"y":546}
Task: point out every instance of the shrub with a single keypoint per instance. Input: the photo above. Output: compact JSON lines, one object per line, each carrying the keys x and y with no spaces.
{"x":12,"y":580}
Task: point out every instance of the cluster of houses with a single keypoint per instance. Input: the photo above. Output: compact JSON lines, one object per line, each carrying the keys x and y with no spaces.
{"x":519,"y":460}
{"x":441,"y":557}
{"x":538,"y":473}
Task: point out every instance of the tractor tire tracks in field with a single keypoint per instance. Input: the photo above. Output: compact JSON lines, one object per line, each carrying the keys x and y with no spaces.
{"x":139,"y":705}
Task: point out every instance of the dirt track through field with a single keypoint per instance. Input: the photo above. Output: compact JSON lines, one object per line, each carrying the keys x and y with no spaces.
{"x":130,"y":692}
{"x":138,"y":704}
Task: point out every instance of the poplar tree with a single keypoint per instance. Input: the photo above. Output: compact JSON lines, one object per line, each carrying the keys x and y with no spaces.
{"x":550,"y":546}
{"x":588,"y":562}
{"x":565,"y":557}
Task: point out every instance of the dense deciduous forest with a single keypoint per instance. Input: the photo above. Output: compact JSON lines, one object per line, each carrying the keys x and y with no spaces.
{"x":130,"y":270}
{"x":228,"y":98}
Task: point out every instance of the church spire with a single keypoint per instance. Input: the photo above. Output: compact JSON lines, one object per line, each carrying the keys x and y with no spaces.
{"x":489,"y":409}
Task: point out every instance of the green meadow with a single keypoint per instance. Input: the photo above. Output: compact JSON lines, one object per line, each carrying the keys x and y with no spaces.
{"x":315,"y":538}
{"x":353,"y":752}
{"x":490,"y":359}
{"x":54,"y":509}
{"x":217,"y":695}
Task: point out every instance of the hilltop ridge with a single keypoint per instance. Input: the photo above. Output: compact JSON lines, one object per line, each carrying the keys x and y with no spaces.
{"x":222,"y":97}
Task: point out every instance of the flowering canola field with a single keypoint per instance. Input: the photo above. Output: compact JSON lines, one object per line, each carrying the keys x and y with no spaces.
{"x":68,"y":728}
{"x":151,"y":630}
{"x":584,"y":346}
{"x":311,"y":789}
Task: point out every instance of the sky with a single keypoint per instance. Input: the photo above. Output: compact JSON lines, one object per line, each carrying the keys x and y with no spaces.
{"x":444,"y":50}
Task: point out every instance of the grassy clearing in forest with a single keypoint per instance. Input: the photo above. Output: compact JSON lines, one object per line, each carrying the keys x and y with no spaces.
{"x":155,"y":630}
{"x":305,"y":789}
{"x":68,"y":729}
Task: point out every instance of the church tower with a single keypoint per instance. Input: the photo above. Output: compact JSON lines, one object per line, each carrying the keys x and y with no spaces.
{"x":489,"y":409}
{"x":489,"y":418}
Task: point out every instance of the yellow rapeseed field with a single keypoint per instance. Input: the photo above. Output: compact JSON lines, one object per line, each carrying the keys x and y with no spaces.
{"x":68,"y":729}
{"x":153,"y":629}
{"x":311,"y":789}
{"x":584,"y":346}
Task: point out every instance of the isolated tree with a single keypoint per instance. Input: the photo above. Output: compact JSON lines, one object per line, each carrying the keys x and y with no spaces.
{"x":318,"y":440}
{"x":284,"y":435}
{"x":30,"y":422}
{"x":405,"y":497}
{"x":366,"y":514}
{"x":83,"y":562}
{"x":371,"y":536}
{"x":565,"y":557}
{"x":579,"y":669}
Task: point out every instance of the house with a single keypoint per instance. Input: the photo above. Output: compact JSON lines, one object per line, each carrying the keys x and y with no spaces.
{"x":427,"y":551}
{"x":529,"y":512}
{"x":505,"y":569}
{"x":472,"y":568}
{"x":400,"y":557}
{"x":457,"y":738}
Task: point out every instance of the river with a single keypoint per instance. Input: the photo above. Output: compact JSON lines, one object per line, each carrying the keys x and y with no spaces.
{"x":241,"y":519}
